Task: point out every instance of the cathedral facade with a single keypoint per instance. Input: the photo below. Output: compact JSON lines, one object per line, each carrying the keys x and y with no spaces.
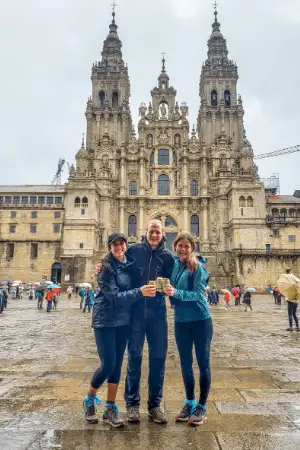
{"x":202,"y":180}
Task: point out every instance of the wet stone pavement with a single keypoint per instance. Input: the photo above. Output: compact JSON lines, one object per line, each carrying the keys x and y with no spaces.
{"x":47,"y":360}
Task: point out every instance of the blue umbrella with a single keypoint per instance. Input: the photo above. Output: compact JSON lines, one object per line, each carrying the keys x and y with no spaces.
{"x":54,"y":286}
{"x":251,"y":290}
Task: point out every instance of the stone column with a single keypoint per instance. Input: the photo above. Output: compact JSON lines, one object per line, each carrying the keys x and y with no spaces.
{"x":231,"y":126}
{"x":122,"y":213}
{"x":213,"y":126}
{"x":122,"y":173}
{"x":141,"y":218}
{"x":98,"y":133}
{"x":184,"y":172}
{"x":205,"y":219}
{"x":142,"y":172}
{"x":185,"y":214}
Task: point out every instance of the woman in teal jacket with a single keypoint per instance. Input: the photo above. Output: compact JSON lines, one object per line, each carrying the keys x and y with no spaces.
{"x":193,"y":325}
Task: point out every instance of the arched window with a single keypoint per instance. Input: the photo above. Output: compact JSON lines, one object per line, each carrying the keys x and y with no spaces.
{"x":195,"y":225}
{"x":275,"y":212}
{"x":292,"y":213}
{"x":152,"y":159}
{"x":227,"y":98}
{"x":163,"y":185}
{"x":115,"y":100}
{"x":77,"y":202}
{"x":151,"y":179}
{"x":214,"y":98}
{"x":85,"y":201}
{"x":242,"y":202}
{"x":102,"y":98}
{"x":170,"y":222}
{"x":132,"y":226}
{"x":298,"y":213}
{"x":175,"y":158}
{"x":250,"y":202}
{"x":163,"y":157}
{"x":132,"y":188}
{"x":194,"y":187}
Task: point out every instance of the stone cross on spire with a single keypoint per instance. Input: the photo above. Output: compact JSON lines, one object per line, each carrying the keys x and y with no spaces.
{"x":163,"y":61}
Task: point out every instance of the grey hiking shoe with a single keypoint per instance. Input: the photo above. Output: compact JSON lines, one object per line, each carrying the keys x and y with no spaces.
{"x":198,"y":415}
{"x":89,"y":408}
{"x":156,"y":415}
{"x":111,"y":416}
{"x":133,"y":414}
{"x":186,"y":411}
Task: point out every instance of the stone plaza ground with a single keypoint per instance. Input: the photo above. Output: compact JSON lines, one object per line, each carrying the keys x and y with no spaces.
{"x":46,"y":362}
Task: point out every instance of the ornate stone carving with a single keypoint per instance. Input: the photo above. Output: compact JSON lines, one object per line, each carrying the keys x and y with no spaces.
{"x":163,"y":137}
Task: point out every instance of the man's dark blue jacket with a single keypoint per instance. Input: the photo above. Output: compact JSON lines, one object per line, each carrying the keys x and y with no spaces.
{"x":148,"y":265}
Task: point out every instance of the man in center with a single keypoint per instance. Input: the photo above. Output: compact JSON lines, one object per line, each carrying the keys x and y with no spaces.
{"x":149,"y":319}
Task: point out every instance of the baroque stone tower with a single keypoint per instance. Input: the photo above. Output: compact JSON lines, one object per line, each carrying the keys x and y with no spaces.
{"x":204,"y":182}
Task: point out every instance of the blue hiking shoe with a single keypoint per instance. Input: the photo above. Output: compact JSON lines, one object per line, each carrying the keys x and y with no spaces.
{"x":186,"y":411}
{"x":111,"y":415}
{"x":198,"y":416}
{"x":89,"y":408}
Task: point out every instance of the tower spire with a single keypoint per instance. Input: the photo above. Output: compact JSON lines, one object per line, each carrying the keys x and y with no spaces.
{"x":163,"y":63}
{"x":216,"y":25}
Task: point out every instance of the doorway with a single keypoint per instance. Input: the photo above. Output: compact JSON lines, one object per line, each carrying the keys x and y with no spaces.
{"x":56,"y":273}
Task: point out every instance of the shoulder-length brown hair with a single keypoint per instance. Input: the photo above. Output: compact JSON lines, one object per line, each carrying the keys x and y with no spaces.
{"x":192,"y":262}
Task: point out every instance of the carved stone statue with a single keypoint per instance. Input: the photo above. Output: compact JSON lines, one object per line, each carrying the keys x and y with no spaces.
{"x":105,"y":162}
{"x":149,"y":141}
{"x":163,"y":110}
{"x":177,"y":140}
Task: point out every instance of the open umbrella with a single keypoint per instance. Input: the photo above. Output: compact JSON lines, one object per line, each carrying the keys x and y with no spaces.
{"x":225,"y":291}
{"x":289,"y":285}
{"x":85,"y":285}
{"x":16,"y":283}
{"x":42,"y":286}
{"x":251,"y":290}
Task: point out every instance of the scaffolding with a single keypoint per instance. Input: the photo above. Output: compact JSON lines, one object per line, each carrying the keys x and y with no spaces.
{"x":272,"y":184}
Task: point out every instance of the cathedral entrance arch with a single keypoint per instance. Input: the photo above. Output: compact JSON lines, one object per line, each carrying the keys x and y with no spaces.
{"x":171,"y":229}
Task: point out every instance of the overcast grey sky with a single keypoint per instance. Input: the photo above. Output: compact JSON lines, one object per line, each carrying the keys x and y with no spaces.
{"x":48,"y":47}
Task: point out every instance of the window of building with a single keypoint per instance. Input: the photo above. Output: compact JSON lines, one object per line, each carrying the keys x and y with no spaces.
{"x":13,"y":214}
{"x":292,"y":238}
{"x":1,"y":200}
{"x":152,"y":159}
{"x":115,"y":99}
{"x":10,"y":250}
{"x":276,"y":232}
{"x":132,"y":225}
{"x":250,"y":202}
{"x":58,"y":200}
{"x":81,"y":245}
{"x":298,"y":213}
{"x":227,"y":98}
{"x":163,"y":185}
{"x":197,"y":247}
{"x":82,"y":211}
{"x":268,"y":250}
{"x":85,"y":202}
{"x":214,"y":98}
{"x":242,"y":202}
{"x":132,"y":188}
{"x":7,"y":200}
{"x":16,"y":200}
{"x":195,"y":225}
{"x":275,"y":213}
{"x":163,"y":157}
{"x":194,"y":187}
{"x":12,"y":228}
{"x":25,"y":200}
{"x":41,"y":200}
{"x":283,"y":213}
{"x":77,"y":202}
{"x":151,"y":179}
{"x":33,"y":200}
{"x":57,"y":214}
{"x":34,"y":251}
{"x":170,"y":222}
{"x":32,"y":228}
{"x":102,"y":98}
{"x":292,"y":213}
{"x":50,"y":200}
{"x":34,"y":214}
{"x":56,"y":228}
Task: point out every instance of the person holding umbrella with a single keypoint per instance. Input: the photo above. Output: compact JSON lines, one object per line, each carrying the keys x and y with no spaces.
{"x":290,"y":286}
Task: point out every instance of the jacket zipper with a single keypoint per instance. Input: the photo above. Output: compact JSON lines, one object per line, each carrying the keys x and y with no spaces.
{"x":148,"y":283}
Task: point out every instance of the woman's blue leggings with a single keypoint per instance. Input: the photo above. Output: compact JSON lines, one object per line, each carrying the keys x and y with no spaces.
{"x":111,"y":344}
{"x":199,"y":334}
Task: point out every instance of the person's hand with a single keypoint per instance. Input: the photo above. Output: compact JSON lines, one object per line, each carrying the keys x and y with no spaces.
{"x":148,"y":290}
{"x":169,"y":290}
{"x":98,"y":267}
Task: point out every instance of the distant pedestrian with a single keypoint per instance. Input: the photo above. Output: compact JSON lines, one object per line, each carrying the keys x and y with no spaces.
{"x":40,"y":298}
{"x":31,"y":294}
{"x":213,"y":297}
{"x":292,"y":302}
{"x":70,"y":292}
{"x":227,"y":300}
{"x":55,"y":301}
{"x":82,"y":294}
{"x":89,"y":300}
{"x":76,"y":290}
{"x":247,"y":300}
{"x":49,"y":298}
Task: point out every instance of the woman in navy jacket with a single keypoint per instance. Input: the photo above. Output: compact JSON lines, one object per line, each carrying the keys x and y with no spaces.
{"x":111,"y":323}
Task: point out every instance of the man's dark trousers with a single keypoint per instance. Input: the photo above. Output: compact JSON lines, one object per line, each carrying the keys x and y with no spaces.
{"x":156,"y":332}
